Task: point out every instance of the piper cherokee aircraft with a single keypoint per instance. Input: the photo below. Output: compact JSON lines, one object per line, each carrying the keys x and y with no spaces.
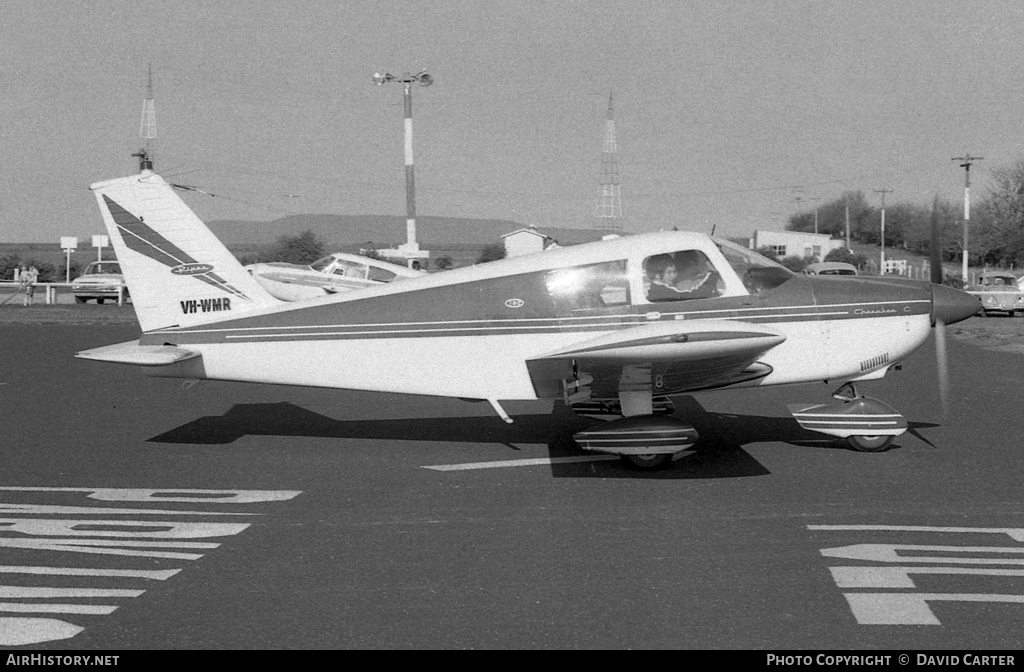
{"x":338,"y":272}
{"x":596,"y":325}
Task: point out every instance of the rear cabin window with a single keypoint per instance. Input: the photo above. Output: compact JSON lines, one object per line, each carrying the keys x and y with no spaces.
{"x":350,"y":269}
{"x":758,"y":273}
{"x":382,"y":274}
{"x":683,"y":275}
{"x":588,"y":287}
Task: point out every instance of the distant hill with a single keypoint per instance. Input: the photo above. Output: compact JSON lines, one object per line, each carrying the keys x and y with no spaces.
{"x":384,"y":230}
{"x":459,"y":239}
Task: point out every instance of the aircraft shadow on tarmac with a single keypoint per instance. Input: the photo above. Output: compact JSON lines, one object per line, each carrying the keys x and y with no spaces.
{"x":719,"y":454}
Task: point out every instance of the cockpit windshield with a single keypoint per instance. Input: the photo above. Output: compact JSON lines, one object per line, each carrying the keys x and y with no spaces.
{"x":758,"y":272}
{"x":322,"y":264}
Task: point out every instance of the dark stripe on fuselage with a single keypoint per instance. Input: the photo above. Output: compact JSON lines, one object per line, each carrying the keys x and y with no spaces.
{"x":486,"y":308}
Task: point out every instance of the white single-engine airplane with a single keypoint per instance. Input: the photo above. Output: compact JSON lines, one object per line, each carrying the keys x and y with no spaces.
{"x":338,"y":272}
{"x":610,"y":327}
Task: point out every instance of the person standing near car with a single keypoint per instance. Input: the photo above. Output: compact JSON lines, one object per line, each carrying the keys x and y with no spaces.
{"x":28,"y":280}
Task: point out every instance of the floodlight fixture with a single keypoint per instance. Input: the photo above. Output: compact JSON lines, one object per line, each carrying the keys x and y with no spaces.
{"x":423,"y":77}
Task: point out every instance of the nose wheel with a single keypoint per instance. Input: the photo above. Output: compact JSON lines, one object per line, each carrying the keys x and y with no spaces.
{"x":870,"y":444}
{"x":647,"y":462}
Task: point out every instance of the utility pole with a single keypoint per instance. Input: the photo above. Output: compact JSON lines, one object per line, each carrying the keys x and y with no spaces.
{"x":815,"y":199}
{"x":847,"y":200}
{"x":881,"y":262}
{"x":966,"y":165}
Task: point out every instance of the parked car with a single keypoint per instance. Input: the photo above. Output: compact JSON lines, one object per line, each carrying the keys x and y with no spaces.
{"x":830,"y":268}
{"x":999,"y":293}
{"x":102,"y":280}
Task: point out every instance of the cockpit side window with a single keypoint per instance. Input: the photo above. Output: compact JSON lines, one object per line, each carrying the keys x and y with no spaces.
{"x":588,"y":287}
{"x":680,"y":276}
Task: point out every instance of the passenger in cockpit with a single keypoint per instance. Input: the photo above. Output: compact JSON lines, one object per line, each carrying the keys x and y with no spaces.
{"x":696,"y":278}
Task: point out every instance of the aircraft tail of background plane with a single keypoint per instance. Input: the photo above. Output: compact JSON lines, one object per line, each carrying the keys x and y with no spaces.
{"x":178,"y":273}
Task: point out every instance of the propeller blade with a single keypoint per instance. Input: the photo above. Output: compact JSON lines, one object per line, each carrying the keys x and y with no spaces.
{"x":942,"y":366}
{"x":941,"y":363}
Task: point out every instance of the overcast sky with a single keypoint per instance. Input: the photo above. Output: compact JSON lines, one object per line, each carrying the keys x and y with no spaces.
{"x":723,"y":108}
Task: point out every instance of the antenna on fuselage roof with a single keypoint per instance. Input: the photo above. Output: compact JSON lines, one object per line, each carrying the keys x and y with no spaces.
{"x":713,"y":226}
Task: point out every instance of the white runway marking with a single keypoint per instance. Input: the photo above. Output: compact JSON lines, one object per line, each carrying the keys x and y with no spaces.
{"x":96,"y":609}
{"x":21,"y":631}
{"x":157,"y":574}
{"x":1015,"y":533}
{"x":899,"y":577}
{"x":21,"y":592}
{"x":531,"y":462}
{"x":900,"y":607}
{"x":911,"y":608}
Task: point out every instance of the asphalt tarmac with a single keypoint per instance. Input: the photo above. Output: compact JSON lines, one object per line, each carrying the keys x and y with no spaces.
{"x":140,"y":515}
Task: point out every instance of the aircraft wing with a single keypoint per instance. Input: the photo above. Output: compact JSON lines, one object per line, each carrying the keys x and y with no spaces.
{"x":673,"y":356}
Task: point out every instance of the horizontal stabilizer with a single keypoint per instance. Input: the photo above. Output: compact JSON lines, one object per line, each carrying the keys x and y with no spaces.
{"x":131,"y":352}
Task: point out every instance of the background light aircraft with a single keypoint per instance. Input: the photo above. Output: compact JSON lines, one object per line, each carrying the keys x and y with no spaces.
{"x":338,"y":272}
{"x":605,"y":326}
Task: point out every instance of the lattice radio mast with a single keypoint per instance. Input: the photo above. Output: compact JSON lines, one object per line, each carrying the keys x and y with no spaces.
{"x":147,"y":129}
{"x":609,"y":204}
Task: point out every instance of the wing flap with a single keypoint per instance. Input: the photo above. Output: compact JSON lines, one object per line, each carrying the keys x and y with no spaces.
{"x":130,"y":352}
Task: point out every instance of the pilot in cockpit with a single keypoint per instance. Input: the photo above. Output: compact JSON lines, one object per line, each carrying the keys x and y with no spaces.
{"x":687,"y":275}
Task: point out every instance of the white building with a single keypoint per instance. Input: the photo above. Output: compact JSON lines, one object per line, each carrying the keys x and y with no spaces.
{"x":896,"y":266}
{"x":796,"y":243}
{"x":523,"y":241}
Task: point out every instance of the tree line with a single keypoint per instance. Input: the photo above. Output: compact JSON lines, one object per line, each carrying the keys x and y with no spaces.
{"x":996,"y":232}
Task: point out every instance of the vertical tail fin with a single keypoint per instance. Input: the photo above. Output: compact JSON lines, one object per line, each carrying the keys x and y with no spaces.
{"x":176,"y":270}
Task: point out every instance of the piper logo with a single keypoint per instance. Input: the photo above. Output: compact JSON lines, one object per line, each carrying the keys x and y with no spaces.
{"x":515,"y":303}
{"x":205,"y":305}
{"x":193,"y":268}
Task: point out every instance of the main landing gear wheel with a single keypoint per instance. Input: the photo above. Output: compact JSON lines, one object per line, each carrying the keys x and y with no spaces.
{"x":870,"y":444}
{"x":647,"y":462}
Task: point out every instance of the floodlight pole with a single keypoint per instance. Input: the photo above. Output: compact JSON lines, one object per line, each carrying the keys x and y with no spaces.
{"x":410,"y":178}
{"x":966,"y":165}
